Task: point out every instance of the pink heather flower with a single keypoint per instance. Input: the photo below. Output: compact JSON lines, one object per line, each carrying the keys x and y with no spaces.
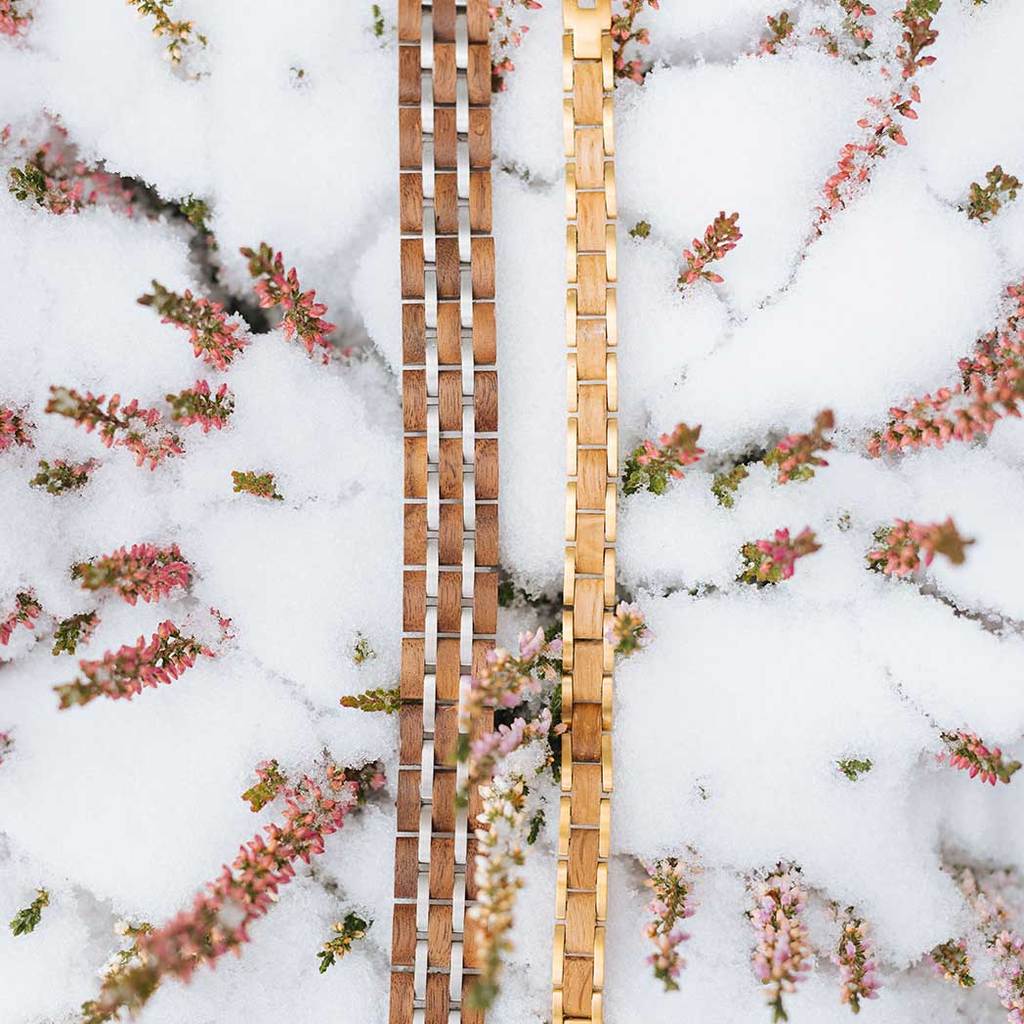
{"x":129,"y":426}
{"x":854,"y":28}
{"x":269,"y":782}
{"x":1008,"y":976}
{"x":670,"y":883}
{"x":198,"y":404}
{"x":780,"y":28}
{"x":215,"y":337}
{"x":906,"y":545}
{"x":142,"y":571}
{"x":123,"y":674}
{"x":26,"y":610}
{"x":12,"y":21}
{"x":968,"y":753}
{"x":302,"y":313}
{"x":774,"y":559}
{"x":796,"y":455}
{"x":991,"y":388}
{"x":487,"y":750}
{"x":719,"y":240}
{"x":220,"y":917}
{"x":624,"y":32}
{"x":627,"y":632}
{"x":652,"y":465}
{"x":13,"y":429}
{"x":506,"y":34}
{"x":782,"y":955}
{"x":855,"y":959}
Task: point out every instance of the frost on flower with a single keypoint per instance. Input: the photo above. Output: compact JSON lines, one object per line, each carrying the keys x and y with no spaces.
{"x":720,"y":238}
{"x":74,"y":630}
{"x":985,"y":201}
{"x":179,"y":34}
{"x":13,"y":429}
{"x":120,"y":426}
{"x":1008,"y":976}
{"x":782,"y":955}
{"x":60,"y":476}
{"x":302,"y":314}
{"x":968,"y":753}
{"x":796,"y":455}
{"x":261,"y":485}
{"x":26,"y":611}
{"x":623,"y":33}
{"x":346,"y":933}
{"x":627,"y":632}
{"x":26,"y":920}
{"x":780,"y":28}
{"x":906,"y":546}
{"x":670,"y":882}
{"x":219,"y":919}
{"x":123,"y":674}
{"x":856,"y":36}
{"x":652,"y":465}
{"x":141,"y":572}
{"x":854,"y":957}
{"x":216,"y":338}
{"x":773,"y":559}
{"x":200,"y":404}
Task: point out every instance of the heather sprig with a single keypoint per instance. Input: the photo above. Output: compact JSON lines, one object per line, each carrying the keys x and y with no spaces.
{"x":219,"y":919}
{"x":627,"y":631}
{"x":780,"y":28}
{"x":26,"y":610}
{"x":384,"y":699}
{"x":720,"y":238}
{"x":270,"y":780}
{"x":725,"y":485}
{"x":216,"y":338}
{"x":854,"y":767}
{"x":506,"y":34}
{"x":120,"y":426}
{"x":773,"y":559}
{"x":259,"y":484}
{"x":123,"y":674}
{"x":968,"y":753}
{"x":796,"y":455}
{"x":59,"y":477}
{"x":346,"y":932}
{"x":670,"y":882}
{"x":362,"y":651}
{"x":951,"y":962}
{"x":489,"y":749}
{"x":625,"y":32}
{"x":1008,"y":974}
{"x":179,"y":34}
{"x":906,"y":546}
{"x":985,"y":201}
{"x":141,"y":572}
{"x":14,"y":428}
{"x":26,"y":919}
{"x":12,"y":20}
{"x":74,"y":630}
{"x":199,"y":404}
{"x":275,"y":287}
{"x":782,"y":953}
{"x":854,"y":956}
{"x":652,"y":465}
{"x":855,"y":29}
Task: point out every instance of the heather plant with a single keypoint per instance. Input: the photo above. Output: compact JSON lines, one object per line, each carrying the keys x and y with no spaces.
{"x":179,"y":34}
{"x":26,"y":610}
{"x":966,"y":752}
{"x":123,"y":674}
{"x":216,"y":338}
{"x":671,"y":885}
{"x":782,"y":954}
{"x":200,"y":404}
{"x":951,"y":962}
{"x":856,"y":35}
{"x":60,"y":476}
{"x":720,"y":238}
{"x":854,"y":956}
{"x":780,"y":28}
{"x":992,"y":384}
{"x":796,"y":455}
{"x":906,"y":546}
{"x":302,"y":314}
{"x":141,"y":572}
{"x":128,"y":426}
{"x":219,"y":919}
{"x":269,"y":781}
{"x":1008,"y":973}
{"x":506,"y":34}
{"x":74,"y":630}
{"x":854,"y":767}
{"x":362,"y":651}
{"x":14,"y":429}
{"x":725,"y":485}
{"x":985,"y":201}
{"x":773,"y":559}
{"x":627,"y":631}
{"x":346,"y":933}
{"x":261,"y":485}
{"x":641,"y":229}
{"x":386,"y":699}
{"x":652,"y":465}
{"x":625,"y":33}
{"x":26,"y":919}
{"x":13,"y":21}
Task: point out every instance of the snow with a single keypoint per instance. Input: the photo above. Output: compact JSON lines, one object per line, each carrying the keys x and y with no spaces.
{"x":729,"y":724}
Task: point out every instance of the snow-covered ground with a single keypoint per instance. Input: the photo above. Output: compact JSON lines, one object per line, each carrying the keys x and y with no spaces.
{"x":729,"y":724}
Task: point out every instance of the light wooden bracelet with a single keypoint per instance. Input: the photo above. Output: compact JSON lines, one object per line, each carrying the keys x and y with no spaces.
{"x":450,"y":403}
{"x":581,"y":900}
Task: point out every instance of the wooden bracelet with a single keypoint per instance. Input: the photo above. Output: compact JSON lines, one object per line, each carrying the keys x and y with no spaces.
{"x":450,"y":405}
{"x":581,"y":900}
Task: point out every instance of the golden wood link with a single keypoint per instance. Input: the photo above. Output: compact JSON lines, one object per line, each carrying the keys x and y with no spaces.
{"x":450,"y":404}
{"x":581,"y":900}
